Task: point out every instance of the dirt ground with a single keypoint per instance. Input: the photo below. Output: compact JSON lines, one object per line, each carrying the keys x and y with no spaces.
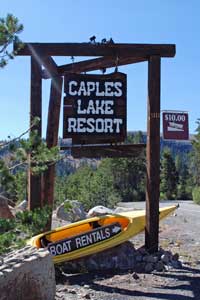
{"x":179,"y":233}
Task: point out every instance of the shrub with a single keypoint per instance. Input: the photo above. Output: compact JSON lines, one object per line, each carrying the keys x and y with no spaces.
{"x":196,"y":194}
{"x":15,"y":232}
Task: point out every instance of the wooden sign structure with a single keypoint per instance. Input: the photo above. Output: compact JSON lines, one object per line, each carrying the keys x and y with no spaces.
{"x":95,"y":108}
{"x":41,"y":55}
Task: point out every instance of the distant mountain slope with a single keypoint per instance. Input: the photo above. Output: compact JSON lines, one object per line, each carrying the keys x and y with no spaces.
{"x":69,"y":164}
{"x":174,"y":145}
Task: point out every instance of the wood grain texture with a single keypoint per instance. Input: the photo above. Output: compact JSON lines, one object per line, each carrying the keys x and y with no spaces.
{"x":51,"y":68}
{"x":34,"y":181}
{"x":88,"y":49}
{"x":52,"y":139}
{"x":94,"y":64}
{"x":153,"y":155}
{"x":118,"y":107}
{"x":100,"y":151}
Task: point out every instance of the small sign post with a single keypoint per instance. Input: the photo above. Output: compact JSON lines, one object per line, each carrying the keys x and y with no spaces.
{"x":95,"y":108}
{"x":175,"y":125}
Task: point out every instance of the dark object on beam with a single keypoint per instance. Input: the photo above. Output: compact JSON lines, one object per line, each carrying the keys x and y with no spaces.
{"x":94,"y":64}
{"x":99,"y":151}
{"x":87,"y":49}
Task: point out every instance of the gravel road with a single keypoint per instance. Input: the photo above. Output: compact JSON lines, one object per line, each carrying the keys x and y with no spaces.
{"x":178,"y":233}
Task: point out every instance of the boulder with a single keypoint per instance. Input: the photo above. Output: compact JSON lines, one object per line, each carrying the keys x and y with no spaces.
{"x":120,"y":209}
{"x":159,"y":266}
{"x":71,"y":211}
{"x":149,"y":267}
{"x":99,"y":211}
{"x":27,"y":274}
{"x":5,"y":212}
{"x":121,"y":257}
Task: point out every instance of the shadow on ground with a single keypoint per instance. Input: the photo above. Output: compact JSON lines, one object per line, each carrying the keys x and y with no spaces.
{"x":178,"y":284}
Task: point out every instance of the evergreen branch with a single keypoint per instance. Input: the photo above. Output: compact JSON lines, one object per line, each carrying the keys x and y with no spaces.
{"x":17,"y":165}
{"x":3,"y":145}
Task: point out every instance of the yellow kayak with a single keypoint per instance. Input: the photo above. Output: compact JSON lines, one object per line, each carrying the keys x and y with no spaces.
{"x":93,"y":235}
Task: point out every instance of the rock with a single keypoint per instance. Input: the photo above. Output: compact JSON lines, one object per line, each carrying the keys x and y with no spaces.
{"x":22,"y":205}
{"x":82,"y":294}
{"x":27,"y":274}
{"x":175,"y":257}
{"x":13,"y":210}
{"x":86,"y":286}
{"x":135,"y":276}
{"x":139,"y":258}
{"x":10,"y":202}
{"x":1,"y":261}
{"x":5,"y":212}
{"x":72,"y":291}
{"x":165,"y":258}
{"x":159,"y":266}
{"x":121,"y":257}
{"x":145,"y":258}
{"x":99,"y":211}
{"x":143,"y":251}
{"x":176,"y":264}
{"x":61,"y":288}
{"x":71,"y":210}
{"x":151,"y":259}
{"x":149,"y":267}
{"x":121,"y":209}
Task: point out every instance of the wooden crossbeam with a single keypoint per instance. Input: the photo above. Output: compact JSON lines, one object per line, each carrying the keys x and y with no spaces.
{"x":88,"y":49}
{"x":94,"y":64}
{"x":99,"y":151}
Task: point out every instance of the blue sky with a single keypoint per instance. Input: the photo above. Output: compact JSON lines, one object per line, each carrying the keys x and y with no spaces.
{"x":129,"y":21}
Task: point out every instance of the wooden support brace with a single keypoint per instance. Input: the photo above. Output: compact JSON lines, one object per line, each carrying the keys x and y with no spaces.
{"x":51,"y":68}
{"x":52,"y":137}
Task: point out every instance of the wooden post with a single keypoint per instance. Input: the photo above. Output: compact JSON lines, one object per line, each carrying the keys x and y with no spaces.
{"x":34,"y":182}
{"x":52,"y":137}
{"x":153,"y":155}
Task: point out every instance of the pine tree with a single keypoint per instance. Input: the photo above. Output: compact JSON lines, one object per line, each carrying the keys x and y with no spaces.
{"x":184,"y":186}
{"x":114,"y":180}
{"x":195,"y":165}
{"x":10,"y":28}
{"x":14,"y":164}
{"x":169,"y":176}
{"x":195,"y":157}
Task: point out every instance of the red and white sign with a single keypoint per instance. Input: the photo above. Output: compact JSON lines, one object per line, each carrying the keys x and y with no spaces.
{"x":175,"y":125}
